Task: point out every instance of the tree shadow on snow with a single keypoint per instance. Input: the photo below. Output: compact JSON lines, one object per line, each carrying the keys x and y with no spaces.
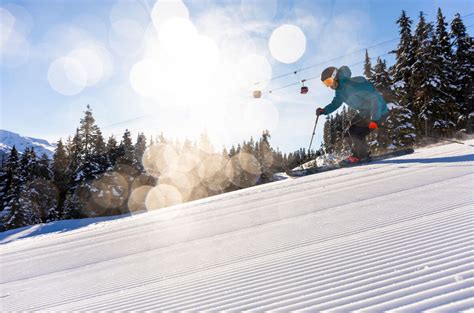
{"x":453,"y":159}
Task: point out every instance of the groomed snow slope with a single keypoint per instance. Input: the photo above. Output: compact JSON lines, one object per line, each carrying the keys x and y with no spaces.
{"x":393,"y":235}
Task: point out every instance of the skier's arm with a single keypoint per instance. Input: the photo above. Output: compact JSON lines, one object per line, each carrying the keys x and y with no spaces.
{"x":334,"y":105}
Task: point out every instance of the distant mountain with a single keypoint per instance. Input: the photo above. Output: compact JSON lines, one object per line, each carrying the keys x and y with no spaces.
{"x":9,"y":139}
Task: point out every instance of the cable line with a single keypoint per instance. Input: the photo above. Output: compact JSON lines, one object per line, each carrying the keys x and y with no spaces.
{"x":342,"y":56}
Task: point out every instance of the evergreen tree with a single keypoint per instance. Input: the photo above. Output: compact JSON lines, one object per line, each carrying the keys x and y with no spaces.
{"x":43,"y":169}
{"x":74,"y":204}
{"x":367,"y":66}
{"x":40,"y":197}
{"x":94,"y":161}
{"x":424,"y":76}
{"x":61,"y":174}
{"x":400,"y":130}
{"x":75,"y":152}
{"x":139,"y":150}
{"x":405,"y":58}
{"x":383,"y":81}
{"x":265,"y":157}
{"x":28,"y":165}
{"x":10,"y":184}
{"x":463,"y":67}
{"x":126,"y":149}
{"x":16,"y":212}
{"x":329,"y":135}
{"x":444,"y":110}
{"x":113,"y":152}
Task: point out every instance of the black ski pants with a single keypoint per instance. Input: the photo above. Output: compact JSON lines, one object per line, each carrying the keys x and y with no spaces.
{"x":357,"y":133}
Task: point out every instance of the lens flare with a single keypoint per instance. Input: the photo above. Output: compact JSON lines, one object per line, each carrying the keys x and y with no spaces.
{"x":258,"y":9}
{"x":14,"y":46}
{"x":176,"y":36}
{"x":163,"y":10}
{"x":261,"y":114}
{"x":188,"y":160}
{"x":126,"y":37}
{"x":243,"y":170}
{"x":92,"y":64}
{"x":110,"y":191}
{"x":254,"y":68}
{"x":131,"y":10}
{"x":287,"y":43}
{"x":160,"y":159}
{"x":7,"y":22}
{"x":199,"y":192}
{"x":67,"y":76}
{"x":179,"y":181}
{"x":163,"y":196}
{"x":143,"y":77}
{"x":210,"y":166}
{"x":249,"y":163}
{"x":142,"y":180}
{"x":219,"y":182}
{"x":137,"y":199}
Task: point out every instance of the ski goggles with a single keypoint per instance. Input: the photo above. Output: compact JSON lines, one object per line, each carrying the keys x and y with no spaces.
{"x":330,"y":80}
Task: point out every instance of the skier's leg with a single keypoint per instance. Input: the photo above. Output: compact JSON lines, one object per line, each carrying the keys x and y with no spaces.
{"x":357,"y":135}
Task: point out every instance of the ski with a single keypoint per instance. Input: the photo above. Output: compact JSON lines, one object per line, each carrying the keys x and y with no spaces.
{"x":315,"y":170}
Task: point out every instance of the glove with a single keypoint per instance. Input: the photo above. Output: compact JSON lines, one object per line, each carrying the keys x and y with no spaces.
{"x":319,"y":111}
{"x":373,"y":125}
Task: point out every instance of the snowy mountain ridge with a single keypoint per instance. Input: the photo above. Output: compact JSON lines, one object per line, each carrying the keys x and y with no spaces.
{"x":9,"y":139}
{"x":393,"y":235}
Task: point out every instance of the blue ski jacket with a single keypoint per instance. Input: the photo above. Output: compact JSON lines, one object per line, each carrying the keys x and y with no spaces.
{"x":359,"y":94}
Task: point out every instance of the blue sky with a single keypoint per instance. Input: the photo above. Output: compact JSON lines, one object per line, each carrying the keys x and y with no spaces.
{"x":138,"y":71}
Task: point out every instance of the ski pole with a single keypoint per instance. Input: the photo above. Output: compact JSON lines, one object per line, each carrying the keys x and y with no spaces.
{"x":314,"y":131}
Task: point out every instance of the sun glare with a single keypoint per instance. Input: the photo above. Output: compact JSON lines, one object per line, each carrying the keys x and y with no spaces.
{"x":287,"y":43}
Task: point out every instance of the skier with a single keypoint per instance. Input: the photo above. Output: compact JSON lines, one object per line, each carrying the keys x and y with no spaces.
{"x":360,"y":95}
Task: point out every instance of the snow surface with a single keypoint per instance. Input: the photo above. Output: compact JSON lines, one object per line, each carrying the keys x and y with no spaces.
{"x":393,"y":235}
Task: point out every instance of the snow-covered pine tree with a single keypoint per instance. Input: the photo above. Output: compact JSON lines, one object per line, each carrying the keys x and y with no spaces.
{"x":400,"y":129}
{"x":100,"y":150}
{"x":17,"y":212}
{"x":463,"y":67}
{"x":338,"y":133}
{"x":39,"y":193}
{"x":75,"y":151}
{"x":424,"y":76}
{"x":61,"y":175}
{"x":74,"y":204}
{"x":368,"y":72}
{"x":328,"y":136}
{"x":264,"y":154}
{"x":9,"y":184}
{"x":40,"y":197}
{"x":139,"y":150}
{"x":112,"y":152}
{"x":444,"y":110}
{"x":379,"y":139}
{"x":28,"y":165}
{"x":43,"y":169}
{"x":405,"y":58}
{"x":383,"y":81}
{"x":400,"y":122}
{"x":126,"y":149}
{"x":93,"y":153}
